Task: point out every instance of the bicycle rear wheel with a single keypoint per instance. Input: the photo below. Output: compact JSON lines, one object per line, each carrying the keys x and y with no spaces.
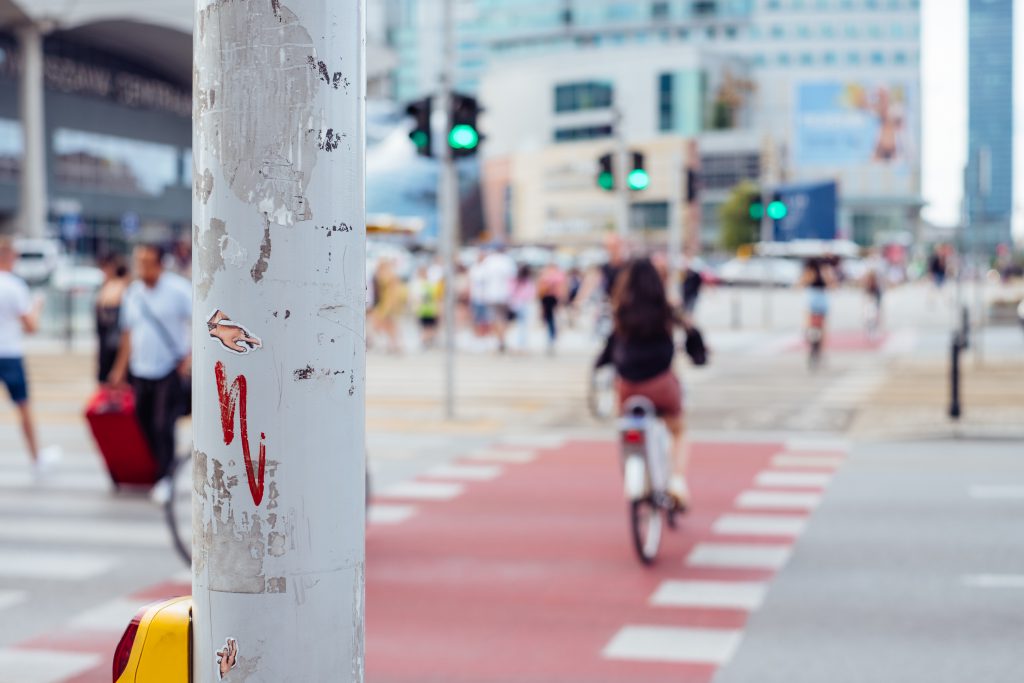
{"x":645,"y":522}
{"x":178,"y":509}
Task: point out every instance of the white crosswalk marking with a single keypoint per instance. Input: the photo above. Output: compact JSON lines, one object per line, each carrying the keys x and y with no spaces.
{"x":466,"y":472}
{"x":111,"y":616}
{"x":807,"y":461}
{"x":760,"y":525}
{"x":739,"y":595}
{"x":797,"y":480}
{"x":422,"y":490}
{"x":53,"y":566}
{"x":670,"y":644}
{"x":738,"y":556}
{"x":12,"y":598}
{"x":502,"y":456}
{"x":43,"y":666}
{"x":776,"y":500}
{"x":380,"y":513}
{"x":86,"y":532}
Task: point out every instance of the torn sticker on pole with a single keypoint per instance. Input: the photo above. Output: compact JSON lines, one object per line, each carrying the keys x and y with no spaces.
{"x":233,"y":336}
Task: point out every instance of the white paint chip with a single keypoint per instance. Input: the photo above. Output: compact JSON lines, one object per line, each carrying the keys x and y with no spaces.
{"x":777,"y":500}
{"x":741,"y":595}
{"x":53,"y":566}
{"x":675,"y":645}
{"x":422,"y":490}
{"x":797,"y":480}
{"x":44,"y":666}
{"x":466,"y":472}
{"x":389,"y":514}
{"x":502,"y":455}
{"x":807,"y":461}
{"x":760,"y":525}
{"x":995,"y":581}
{"x":738,"y":556}
{"x":997,"y":492}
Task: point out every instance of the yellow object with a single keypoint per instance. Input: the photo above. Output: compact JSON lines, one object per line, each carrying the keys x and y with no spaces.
{"x":160,"y":653}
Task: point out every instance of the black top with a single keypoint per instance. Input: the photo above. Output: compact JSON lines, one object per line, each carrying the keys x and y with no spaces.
{"x":108,"y":330}
{"x":610,"y":273}
{"x":639,"y":359}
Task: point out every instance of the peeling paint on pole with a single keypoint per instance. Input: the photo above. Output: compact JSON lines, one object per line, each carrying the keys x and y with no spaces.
{"x":279,"y":376}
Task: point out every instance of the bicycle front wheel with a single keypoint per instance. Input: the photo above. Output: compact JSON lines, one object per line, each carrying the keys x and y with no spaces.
{"x":178,"y":509}
{"x":645,"y":522}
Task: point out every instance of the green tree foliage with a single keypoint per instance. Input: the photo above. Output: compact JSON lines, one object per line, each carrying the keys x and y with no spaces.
{"x":737,"y":225}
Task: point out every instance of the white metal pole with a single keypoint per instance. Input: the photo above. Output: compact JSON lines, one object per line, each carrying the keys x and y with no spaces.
{"x":448,"y":207}
{"x":32,"y":214}
{"x":622,"y":174}
{"x":279,"y":341}
{"x":676,"y":254}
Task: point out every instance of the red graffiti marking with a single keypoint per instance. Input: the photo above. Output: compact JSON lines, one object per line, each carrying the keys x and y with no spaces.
{"x":229,"y":399}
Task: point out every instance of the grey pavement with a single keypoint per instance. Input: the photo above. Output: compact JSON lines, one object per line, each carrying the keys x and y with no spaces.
{"x":911,"y":570}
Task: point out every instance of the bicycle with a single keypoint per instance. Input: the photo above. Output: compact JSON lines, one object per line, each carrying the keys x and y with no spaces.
{"x":815,"y":341}
{"x":645,"y":445}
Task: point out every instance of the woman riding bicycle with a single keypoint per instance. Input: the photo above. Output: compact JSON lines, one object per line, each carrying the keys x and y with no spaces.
{"x":817,"y":277}
{"x":642,"y":349}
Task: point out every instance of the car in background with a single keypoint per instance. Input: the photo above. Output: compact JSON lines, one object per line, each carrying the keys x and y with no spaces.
{"x":760,"y":270}
{"x":38,"y":259}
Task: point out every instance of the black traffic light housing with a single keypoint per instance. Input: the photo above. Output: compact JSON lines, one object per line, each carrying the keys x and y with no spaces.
{"x":464,"y":136}
{"x":606,"y":172}
{"x":421,"y":136}
{"x":692,"y":186}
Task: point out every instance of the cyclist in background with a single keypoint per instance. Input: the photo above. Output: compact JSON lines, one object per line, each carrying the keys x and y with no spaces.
{"x":642,"y":349}
{"x":818,"y":277}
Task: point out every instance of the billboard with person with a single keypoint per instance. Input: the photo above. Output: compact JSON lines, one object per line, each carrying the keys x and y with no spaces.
{"x":851,"y":123}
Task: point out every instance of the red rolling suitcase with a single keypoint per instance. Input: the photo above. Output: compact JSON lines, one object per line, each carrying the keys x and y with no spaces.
{"x":111,"y":417}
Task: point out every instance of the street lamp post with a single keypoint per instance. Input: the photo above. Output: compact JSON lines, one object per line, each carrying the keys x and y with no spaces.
{"x":279,"y":350}
{"x":448,"y":207}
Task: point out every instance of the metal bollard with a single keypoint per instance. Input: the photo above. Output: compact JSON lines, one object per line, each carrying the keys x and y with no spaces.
{"x":954,"y":376}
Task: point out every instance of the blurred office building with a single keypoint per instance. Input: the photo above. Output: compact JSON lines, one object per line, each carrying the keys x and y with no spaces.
{"x":776,"y":91}
{"x":989,"y":181}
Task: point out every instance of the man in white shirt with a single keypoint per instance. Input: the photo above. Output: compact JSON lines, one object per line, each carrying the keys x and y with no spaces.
{"x":155,"y":353}
{"x":499,"y":271}
{"x":19,"y":316}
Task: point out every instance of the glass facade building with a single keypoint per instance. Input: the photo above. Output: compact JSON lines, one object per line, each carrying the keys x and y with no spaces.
{"x":989,"y":193}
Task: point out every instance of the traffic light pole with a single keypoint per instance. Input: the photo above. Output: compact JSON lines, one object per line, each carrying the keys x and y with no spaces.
{"x":676,"y":255}
{"x":448,"y":208}
{"x":622,"y":175}
{"x":279,"y":341}
{"x":767,"y":237}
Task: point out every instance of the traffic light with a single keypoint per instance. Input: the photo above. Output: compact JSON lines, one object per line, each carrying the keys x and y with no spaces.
{"x":464,"y":136}
{"x":692,"y":186}
{"x":756,"y":207}
{"x":606,"y":173}
{"x":638,"y":179}
{"x":777,"y":210}
{"x":420,"y":135}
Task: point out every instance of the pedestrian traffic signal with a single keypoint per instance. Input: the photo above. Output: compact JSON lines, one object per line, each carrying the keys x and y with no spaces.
{"x":606,"y":173}
{"x":777,"y":210}
{"x":420,"y":135}
{"x":638,"y":179}
{"x":464,"y":135}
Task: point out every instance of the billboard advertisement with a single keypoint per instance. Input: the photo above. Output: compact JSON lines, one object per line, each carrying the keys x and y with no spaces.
{"x":853,"y":123}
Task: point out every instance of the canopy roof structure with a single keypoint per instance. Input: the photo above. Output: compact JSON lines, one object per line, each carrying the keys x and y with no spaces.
{"x":156,"y":34}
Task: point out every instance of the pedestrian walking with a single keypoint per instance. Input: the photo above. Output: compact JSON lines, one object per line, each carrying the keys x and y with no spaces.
{"x":523,"y":294}
{"x":499,"y":272}
{"x":390,"y":302}
{"x":479,"y":311}
{"x":426,"y":297}
{"x":109,"y":299}
{"x":552,"y":290}
{"x":19,"y":315}
{"x":155,"y":355}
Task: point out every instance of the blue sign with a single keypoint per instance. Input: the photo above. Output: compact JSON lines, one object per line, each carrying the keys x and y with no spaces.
{"x":810,"y":212}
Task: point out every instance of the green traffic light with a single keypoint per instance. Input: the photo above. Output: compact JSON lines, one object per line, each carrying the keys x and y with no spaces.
{"x":606,"y":181}
{"x":463,"y":137}
{"x":757,"y":211}
{"x":638,"y":179}
{"x":777,"y":211}
{"x":419,"y":138}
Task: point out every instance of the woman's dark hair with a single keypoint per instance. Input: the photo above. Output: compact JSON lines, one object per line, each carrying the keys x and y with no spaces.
{"x":640,"y":304}
{"x":115,"y":262}
{"x":525,"y":273}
